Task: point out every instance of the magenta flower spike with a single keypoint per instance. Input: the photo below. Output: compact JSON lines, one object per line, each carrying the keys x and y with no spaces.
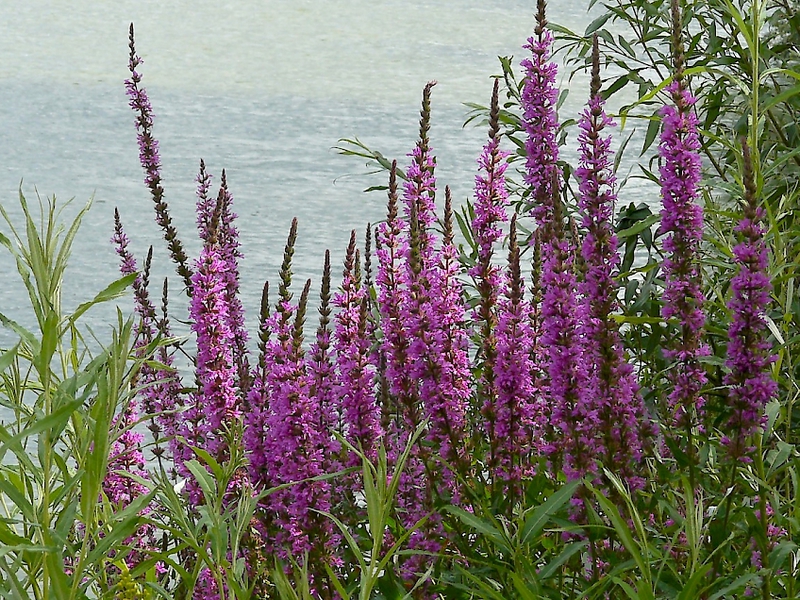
{"x":446,"y":376}
{"x":323,"y":374}
{"x":682,"y":221}
{"x":572,"y":446}
{"x":516,"y":424}
{"x":611,"y":382}
{"x":539,"y":99}
{"x":125,"y":458}
{"x":160,"y":388}
{"x":750,"y":382}
{"x":416,"y":276}
{"x":215,"y":403}
{"x":293,"y":446}
{"x":355,"y":366}
{"x":151,"y":162}
{"x":263,"y":389}
{"x":228,"y":239}
{"x":258,"y":400}
{"x":393,"y":359}
{"x":282,"y":433}
{"x":491,"y":200}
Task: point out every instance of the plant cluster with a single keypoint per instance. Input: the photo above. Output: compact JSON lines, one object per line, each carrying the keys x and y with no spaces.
{"x":460,"y":425}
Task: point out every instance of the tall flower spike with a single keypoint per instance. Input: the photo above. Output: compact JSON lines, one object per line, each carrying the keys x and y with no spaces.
{"x":393,"y":361}
{"x":514,"y":418}
{"x":751,"y":385}
{"x":322,"y":373}
{"x":612,"y":384}
{"x":151,"y":162}
{"x":144,"y":306}
{"x":491,"y":200}
{"x":217,"y":399}
{"x":539,"y":99}
{"x":682,"y":221}
{"x":159,"y":387}
{"x":419,"y":254}
{"x":445,"y":388}
{"x":356,"y":392}
{"x":228,"y":238}
{"x":574,"y":420}
{"x":292,"y":448}
{"x":262,"y":390}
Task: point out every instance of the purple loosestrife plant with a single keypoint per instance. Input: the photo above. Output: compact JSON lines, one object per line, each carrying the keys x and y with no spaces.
{"x":445,"y":387}
{"x":259,"y":398}
{"x":401,"y":411}
{"x":539,"y":98}
{"x":574,"y":421}
{"x":283,"y":436}
{"x":393,"y":360}
{"x":682,"y":221}
{"x":515,"y":414}
{"x":612,"y":386}
{"x":356,"y":372}
{"x":573,"y":444}
{"x":228,"y":239}
{"x":491,"y":200}
{"x":160,"y":387}
{"x":293,"y":445}
{"x":216,"y":400}
{"x":215,"y":404}
{"x":750,"y":382}
{"x":125,"y":458}
{"x":151,"y":162}
{"x":322,"y":373}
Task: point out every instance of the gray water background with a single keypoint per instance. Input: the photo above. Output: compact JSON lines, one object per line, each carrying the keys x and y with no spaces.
{"x":263,"y":89}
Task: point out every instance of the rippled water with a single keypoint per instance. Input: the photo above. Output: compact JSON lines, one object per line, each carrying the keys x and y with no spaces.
{"x":261,"y":88}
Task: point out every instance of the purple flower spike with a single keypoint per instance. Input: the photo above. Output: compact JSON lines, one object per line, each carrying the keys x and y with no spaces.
{"x":227,"y":236}
{"x":160,"y":388}
{"x":682,"y":221}
{"x":491,"y":200}
{"x":293,"y":443}
{"x":151,"y":162}
{"x":355,"y":385}
{"x":215,"y":404}
{"x":393,"y":358}
{"x":513,"y":414}
{"x":612,"y":385}
{"x":125,"y":458}
{"x":749,"y":352}
{"x":573,"y":420}
{"x":444,"y":369}
{"x":539,"y":99}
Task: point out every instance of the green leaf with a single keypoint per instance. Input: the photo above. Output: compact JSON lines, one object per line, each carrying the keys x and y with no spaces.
{"x":596,"y":24}
{"x":539,"y":518}
{"x":639,"y":227}
{"x":203,"y":477}
{"x":624,"y":534}
{"x":56,"y":420}
{"x":113,"y":291}
{"x":7,"y":358}
{"x":653,"y":128}
{"x":568,"y":552}
{"x":689,"y":591}
{"x":480,"y":525}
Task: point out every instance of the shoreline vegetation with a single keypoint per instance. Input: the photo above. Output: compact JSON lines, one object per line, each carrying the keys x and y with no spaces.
{"x":498,"y":402}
